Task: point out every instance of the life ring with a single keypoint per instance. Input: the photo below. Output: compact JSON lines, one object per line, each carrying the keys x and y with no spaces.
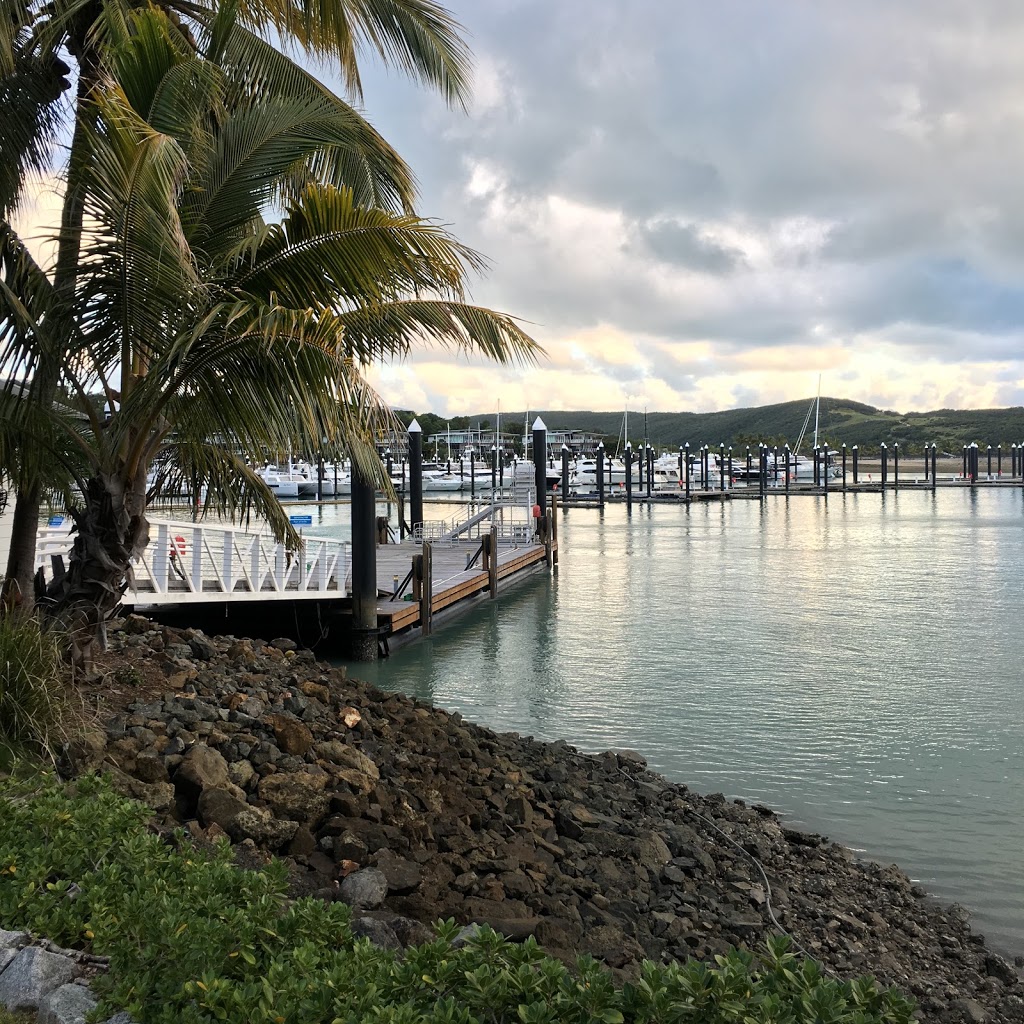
{"x":178,"y":547}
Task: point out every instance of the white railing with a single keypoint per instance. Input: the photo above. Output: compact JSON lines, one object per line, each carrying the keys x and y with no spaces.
{"x":514,"y":522}
{"x":192,"y":562}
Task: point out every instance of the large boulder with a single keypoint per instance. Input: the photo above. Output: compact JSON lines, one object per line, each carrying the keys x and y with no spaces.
{"x":202,"y":768}
{"x":292,"y":736}
{"x":299,"y":796}
{"x":364,"y":889}
{"x":69,"y":1004}
{"x":31,"y":976}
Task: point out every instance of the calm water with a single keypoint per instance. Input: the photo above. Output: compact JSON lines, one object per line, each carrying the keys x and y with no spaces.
{"x":855,"y":665}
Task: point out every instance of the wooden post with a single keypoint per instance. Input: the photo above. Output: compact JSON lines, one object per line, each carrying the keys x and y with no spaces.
{"x":492,"y":563}
{"x":686,"y":462}
{"x":649,"y":459}
{"x":472,"y":473}
{"x":934,"y":464}
{"x":999,"y":460}
{"x":856,"y":453}
{"x":427,"y":593}
{"x":988,"y":471}
{"x":788,"y":453}
{"x":600,"y":475}
{"x":844,"y":465}
{"x":364,"y":568}
{"x":494,"y":470}
{"x":721,"y":465}
{"x":415,"y":476}
{"x":382,"y":529}
{"x":896,"y":466}
{"x":629,"y":475}
{"x":926,"y":457}
{"x":885,"y":464}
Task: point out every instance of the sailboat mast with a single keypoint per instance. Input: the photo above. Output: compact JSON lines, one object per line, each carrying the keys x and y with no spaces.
{"x":817,"y":409}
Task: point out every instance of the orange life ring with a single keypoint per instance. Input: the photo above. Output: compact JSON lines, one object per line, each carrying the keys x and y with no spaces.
{"x":178,"y":547}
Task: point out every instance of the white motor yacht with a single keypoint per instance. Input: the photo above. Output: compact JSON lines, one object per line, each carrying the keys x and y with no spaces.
{"x":280,"y":482}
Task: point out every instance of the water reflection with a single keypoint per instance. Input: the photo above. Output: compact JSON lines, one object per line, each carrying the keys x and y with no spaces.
{"x":852,"y":664}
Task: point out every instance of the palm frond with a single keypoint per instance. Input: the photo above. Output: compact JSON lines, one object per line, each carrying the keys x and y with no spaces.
{"x":390,"y":331}
{"x":331,"y":251}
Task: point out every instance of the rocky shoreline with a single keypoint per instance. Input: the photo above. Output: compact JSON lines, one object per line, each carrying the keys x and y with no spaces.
{"x":413,"y":814}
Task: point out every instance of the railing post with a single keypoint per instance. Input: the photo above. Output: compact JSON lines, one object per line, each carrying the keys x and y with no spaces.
{"x":197,"y":559}
{"x":161,"y":559}
{"x":227,"y":561}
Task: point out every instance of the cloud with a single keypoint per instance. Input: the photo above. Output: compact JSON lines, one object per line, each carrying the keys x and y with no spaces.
{"x":714,"y":203}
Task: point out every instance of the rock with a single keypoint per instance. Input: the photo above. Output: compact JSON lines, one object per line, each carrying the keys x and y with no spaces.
{"x":221,"y":807}
{"x":403,"y":876}
{"x":292,"y":736}
{"x":202,"y":768}
{"x":630,"y":760}
{"x":12,"y":940}
{"x":970,"y":1011}
{"x":378,"y":932}
{"x":203,"y":649}
{"x":83,"y":753}
{"x":6,"y":956}
{"x":302,"y":844}
{"x":997,"y":967}
{"x":68,"y":1004}
{"x":299,"y":796}
{"x":260,"y":826}
{"x":347,"y":756}
{"x":31,"y":976}
{"x":350,"y":717}
{"x":651,"y":851}
{"x":365,"y":889}
{"x":158,"y":795}
{"x":282,"y":643}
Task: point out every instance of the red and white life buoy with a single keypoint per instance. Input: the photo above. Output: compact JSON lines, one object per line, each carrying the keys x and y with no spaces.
{"x":178,"y":548}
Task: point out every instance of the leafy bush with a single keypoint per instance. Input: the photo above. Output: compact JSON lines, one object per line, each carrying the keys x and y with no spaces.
{"x":191,"y":938}
{"x":34,"y":700}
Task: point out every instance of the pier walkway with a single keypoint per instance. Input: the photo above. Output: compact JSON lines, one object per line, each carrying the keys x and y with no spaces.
{"x":445,"y":565}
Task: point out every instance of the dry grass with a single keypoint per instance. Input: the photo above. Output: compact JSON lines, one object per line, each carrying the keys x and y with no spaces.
{"x":36,"y":705}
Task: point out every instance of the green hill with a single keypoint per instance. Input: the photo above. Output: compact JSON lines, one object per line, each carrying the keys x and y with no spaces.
{"x":840,"y":421}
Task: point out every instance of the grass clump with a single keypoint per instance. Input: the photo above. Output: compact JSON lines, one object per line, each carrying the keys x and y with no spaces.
{"x":34,"y":700}
{"x":191,"y":938}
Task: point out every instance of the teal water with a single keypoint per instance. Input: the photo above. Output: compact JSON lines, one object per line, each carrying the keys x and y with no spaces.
{"x":855,"y":665}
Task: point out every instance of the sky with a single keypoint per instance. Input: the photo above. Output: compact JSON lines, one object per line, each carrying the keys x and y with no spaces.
{"x":698,"y":206}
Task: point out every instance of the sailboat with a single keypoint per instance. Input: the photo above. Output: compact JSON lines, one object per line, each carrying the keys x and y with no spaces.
{"x":801,"y":467}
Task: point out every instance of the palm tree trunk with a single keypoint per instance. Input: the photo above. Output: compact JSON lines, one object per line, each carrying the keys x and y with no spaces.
{"x":17,"y":586}
{"x":111,"y":530}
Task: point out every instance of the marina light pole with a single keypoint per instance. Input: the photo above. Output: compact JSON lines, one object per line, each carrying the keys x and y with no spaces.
{"x":540,"y":450}
{"x":415,"y":475}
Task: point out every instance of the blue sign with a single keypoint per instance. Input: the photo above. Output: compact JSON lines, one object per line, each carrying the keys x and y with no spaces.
{"x":56,"y":521}
{"x":300,"y":520}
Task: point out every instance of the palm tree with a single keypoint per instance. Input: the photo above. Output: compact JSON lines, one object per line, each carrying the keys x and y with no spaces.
{"x":416,"y":35}
{"x":199,"y":318}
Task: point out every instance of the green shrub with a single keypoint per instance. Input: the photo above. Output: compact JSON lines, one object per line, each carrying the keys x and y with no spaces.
{"x":34,"y":700}
{"x":191,"y":938}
